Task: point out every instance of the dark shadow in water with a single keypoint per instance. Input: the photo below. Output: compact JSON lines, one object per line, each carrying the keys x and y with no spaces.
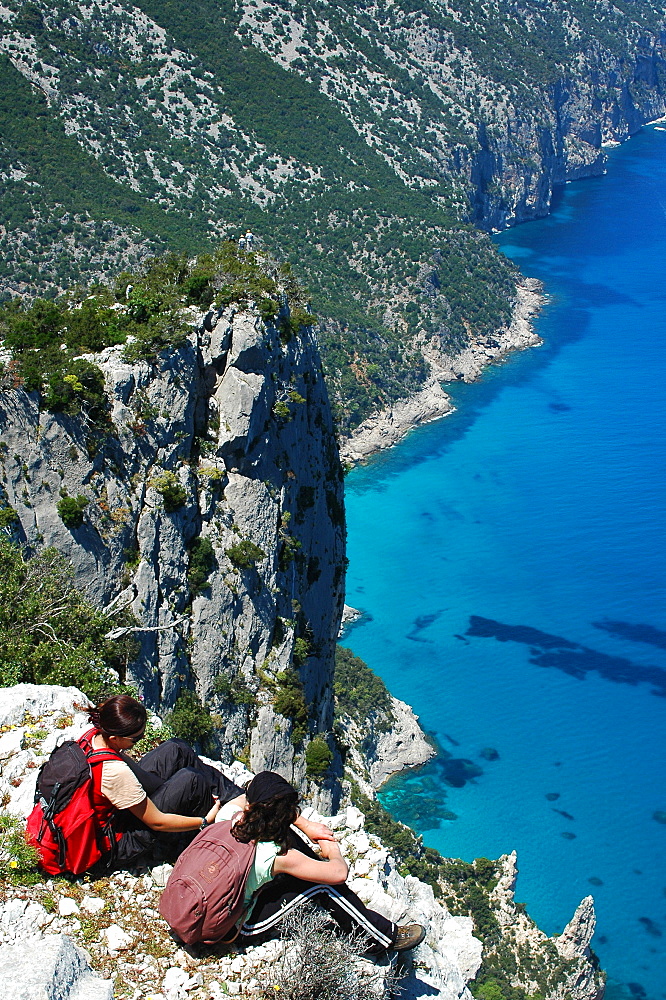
{"x":594,"y":880}
{"x":559,"y":407}
{"x":552,"y":796}
{"x":571,"y":658}
{"x":421,"y":623}
{"x":568,"y":835}
{"x":636,"y":632}
{"x":565,"y":814}
{"x":650,"y":926}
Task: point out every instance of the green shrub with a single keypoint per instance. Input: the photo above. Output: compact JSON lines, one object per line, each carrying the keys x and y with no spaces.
{"x":318,"y":758}
{"x":290,"y":701}
{"x":245,"y":554}
{"x":173,"y":493}
{"x":189,"y":719}
{"x":281,"y":410}
{"x":202,"y":564}
{"x":233,"y":690}
{"x":49,"y":632}
{"x":78,"y":388}
{"x":70,"y":510}
{"x":8,"y":516}
{"x":18,"y":859}
{"x":153,"y":737}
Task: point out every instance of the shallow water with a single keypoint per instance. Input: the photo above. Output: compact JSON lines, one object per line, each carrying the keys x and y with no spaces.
{"x":510,"y":563}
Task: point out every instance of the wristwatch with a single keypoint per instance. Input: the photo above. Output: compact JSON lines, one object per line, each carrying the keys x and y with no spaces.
{"x":204,"y":823}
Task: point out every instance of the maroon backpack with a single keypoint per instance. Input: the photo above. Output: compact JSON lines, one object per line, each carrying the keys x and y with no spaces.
{"x":203,"y":898}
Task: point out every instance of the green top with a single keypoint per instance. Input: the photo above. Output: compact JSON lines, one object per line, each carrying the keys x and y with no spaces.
{"x":262,"y":867}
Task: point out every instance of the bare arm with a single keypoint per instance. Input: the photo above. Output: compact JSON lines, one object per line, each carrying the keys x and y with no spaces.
{"x":331,"y":871}
{"x":148,"y":813}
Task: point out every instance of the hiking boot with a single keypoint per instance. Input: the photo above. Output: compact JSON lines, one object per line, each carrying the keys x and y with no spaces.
{"x":408,"y":936}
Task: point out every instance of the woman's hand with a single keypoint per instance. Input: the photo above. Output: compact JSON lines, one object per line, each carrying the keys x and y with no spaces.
{"x":315,"y":831}
{"x":331,"y":870}
{"x":214,"y":810}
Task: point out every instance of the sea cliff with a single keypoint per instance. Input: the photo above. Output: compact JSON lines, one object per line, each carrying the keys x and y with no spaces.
{"x":226,"y":438}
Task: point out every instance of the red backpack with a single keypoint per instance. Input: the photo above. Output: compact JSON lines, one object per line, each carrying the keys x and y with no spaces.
{"x":63,"y":825}
{"x":203,"y":898}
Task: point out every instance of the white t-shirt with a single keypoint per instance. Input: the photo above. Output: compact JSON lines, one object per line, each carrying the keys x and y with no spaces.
{"x":119,"y":784}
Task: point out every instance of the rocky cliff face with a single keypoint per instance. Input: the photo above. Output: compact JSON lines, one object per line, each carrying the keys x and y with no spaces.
{"x":226,"y":438}
{"x":526,"y":151}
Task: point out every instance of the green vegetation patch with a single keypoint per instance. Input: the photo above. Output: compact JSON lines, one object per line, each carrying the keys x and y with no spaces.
{"x":18,"y":859}
{"x":189,"y":719}
{"x":245,"y":554}
{"x":202,"y":564}
{"x":70,"y":510}
{"x":49,"y":633}
{"x":289,"y":700}
{"x":359,"y":693}
{"x":318,"y":758}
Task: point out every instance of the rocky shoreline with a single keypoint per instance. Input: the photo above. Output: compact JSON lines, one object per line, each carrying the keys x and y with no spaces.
{"x":384,"y":429}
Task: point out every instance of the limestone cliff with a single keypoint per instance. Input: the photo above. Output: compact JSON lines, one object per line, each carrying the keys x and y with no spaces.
{"x":229,"y":438}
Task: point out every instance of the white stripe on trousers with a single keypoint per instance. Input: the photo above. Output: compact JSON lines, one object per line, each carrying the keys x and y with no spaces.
{"x":303,"y":897}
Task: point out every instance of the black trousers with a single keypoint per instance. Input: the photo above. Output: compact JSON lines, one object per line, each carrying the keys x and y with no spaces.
{"x":284,"y":893}
{"x":176,"y":781}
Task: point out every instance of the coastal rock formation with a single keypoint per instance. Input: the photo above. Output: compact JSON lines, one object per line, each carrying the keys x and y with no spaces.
{"x":576,"y":976}
{"x":227,"y":439}
{"x":386,"y":427}
{"x":384,"y":744}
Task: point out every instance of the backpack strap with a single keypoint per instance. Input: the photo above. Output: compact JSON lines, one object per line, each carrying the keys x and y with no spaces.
{"x":94,"y":758}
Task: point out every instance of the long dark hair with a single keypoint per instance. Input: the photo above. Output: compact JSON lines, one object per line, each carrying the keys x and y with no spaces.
{"x":269,"y":820}
{"x":118,"y":716}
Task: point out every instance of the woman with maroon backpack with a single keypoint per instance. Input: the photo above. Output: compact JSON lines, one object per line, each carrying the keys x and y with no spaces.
{"x":281,"y":873}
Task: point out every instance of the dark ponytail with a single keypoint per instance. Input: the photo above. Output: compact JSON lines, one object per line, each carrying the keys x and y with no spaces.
{"x":118,"y":716}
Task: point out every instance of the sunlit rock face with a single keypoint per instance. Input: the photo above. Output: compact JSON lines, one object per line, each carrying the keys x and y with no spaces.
{"x":227,"y":438}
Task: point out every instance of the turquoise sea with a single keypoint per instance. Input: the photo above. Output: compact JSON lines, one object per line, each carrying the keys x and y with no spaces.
{"x":511,"y":566}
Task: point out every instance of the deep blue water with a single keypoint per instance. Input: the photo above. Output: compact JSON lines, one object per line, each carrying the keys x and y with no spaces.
{"x":510,"y":560}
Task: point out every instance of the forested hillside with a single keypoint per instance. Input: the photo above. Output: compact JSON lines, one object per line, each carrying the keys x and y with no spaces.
{"x":362,"y":143}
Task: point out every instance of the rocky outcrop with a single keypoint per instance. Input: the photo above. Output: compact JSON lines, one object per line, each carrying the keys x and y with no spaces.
{"x":383,"y":744}
{"x":62,"y":972}
{"x":576,"y":976}
{"x":226,"y":438}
